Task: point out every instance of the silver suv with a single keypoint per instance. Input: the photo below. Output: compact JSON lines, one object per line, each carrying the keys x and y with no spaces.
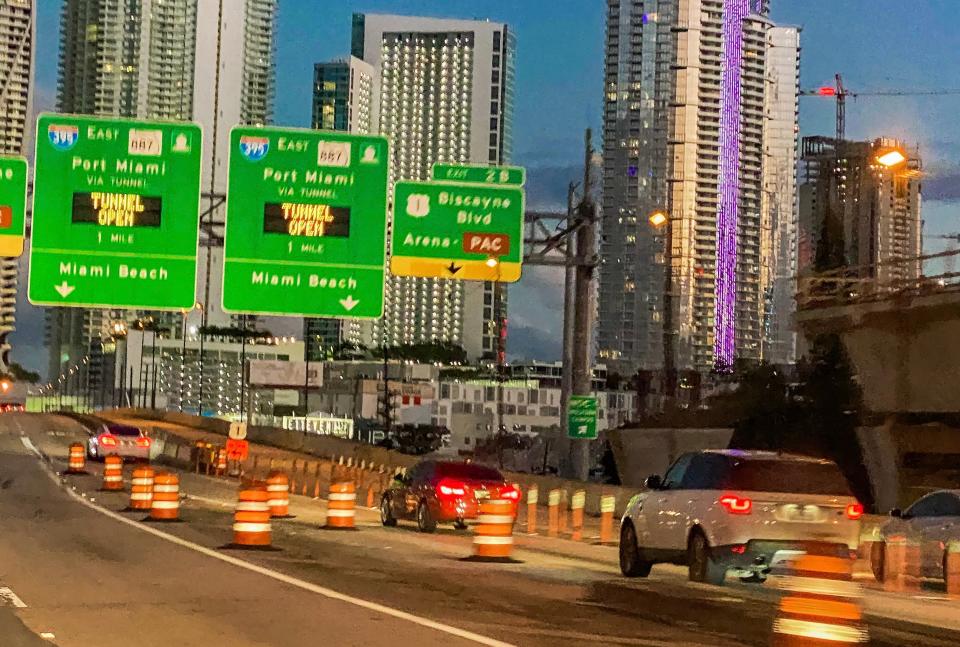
{"x":742,"y":511}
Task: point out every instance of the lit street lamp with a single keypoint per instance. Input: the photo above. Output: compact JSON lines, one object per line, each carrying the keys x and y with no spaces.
{"x":891,"y":158}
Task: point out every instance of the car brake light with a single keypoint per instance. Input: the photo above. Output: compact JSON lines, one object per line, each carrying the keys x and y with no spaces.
{"x":510,"y":492}
{"x":107,"y":440}
{"x":736,"y":505}
{"x":447,"y":487}
{"x":739,"y":549}
{"x":143,"y":441}
{"x":854,"y":511}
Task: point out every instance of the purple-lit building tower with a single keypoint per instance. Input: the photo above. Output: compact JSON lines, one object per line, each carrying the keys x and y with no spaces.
{"x":685,"y":131}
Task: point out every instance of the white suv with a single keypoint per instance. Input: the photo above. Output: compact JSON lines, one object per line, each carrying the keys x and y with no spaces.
{"x":720,"y":510}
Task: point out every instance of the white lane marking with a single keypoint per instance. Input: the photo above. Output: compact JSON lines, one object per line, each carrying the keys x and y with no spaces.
{"x":48,"y":635}
{"x":281,"y":577}
{"x":29,"y":445}
{"x":7,"y":594}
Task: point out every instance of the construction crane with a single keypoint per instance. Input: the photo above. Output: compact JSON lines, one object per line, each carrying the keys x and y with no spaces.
{"x":841,"y":93}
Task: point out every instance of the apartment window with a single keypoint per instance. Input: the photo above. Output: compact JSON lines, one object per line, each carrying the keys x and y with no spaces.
{"x":496,"y":40}
{"x":496,"y":60}
{"x":493,"y":123}
{"x":493,"y":139}
{"x":490,"y":394}
{"x":466,"y":439}
{"x":495,"y":77}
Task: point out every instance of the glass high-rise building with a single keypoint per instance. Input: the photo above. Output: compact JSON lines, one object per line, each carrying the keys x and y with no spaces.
{"x":209,"y":61}
{"x":685,"y":93}
{"x":444,"y":92}
{"x":18,"y":43}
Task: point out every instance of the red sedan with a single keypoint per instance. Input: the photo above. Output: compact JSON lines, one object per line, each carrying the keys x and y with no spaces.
{"x":435,"y":492}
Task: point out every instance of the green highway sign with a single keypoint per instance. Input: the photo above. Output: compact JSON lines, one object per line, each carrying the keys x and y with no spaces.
{"x":116,"y":209}
{"x":582,"y":417}
{"x":457,"y":231}
{"x":13,"y":204}
{"x":478,"y":174}
{"x":306,"y":223}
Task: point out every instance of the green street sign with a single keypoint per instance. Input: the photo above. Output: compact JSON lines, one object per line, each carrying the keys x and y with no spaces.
{"x":13,"y":204}
{"x":457,"y":231}
{"x":116,"y":209}
{"x":478,"y":174}
{"x":582,"y":417}
{"x":306,"y":223}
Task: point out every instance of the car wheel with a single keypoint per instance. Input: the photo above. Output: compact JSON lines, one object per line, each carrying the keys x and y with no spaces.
{"x":386,"y":515}
{"x":630,"y":563}
{"x":425,"y":521}
{"x":702,"y":567}
{"x":754,"y":578}
{"x":460,"y":524}
{"x":878,"y":553}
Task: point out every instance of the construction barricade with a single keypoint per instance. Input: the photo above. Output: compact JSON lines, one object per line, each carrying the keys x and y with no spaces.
{"x":76,"y":460}
{"x":821,"y":604}
{"x":341,"y":506}
{"x":278,"y":485}
{"x":251,"y":517}
{"x":951,"y":568}
{"x":577,"y":502}
{"x":608,"y":504}
{"x":141,"y":488}
{"x":532,"y":496}
{"x":553,"y":513}
{"x":112,"y":474}
{"x":165,"y":505}
{"x":493,"y":532}
{"x":901,"y":565}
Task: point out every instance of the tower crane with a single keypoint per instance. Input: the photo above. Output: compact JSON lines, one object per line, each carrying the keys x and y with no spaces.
{"x":840,"y":92}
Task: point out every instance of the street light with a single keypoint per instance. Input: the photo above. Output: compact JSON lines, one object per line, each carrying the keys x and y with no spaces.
{"x":658,"y":218}
{"x":891,"y":158}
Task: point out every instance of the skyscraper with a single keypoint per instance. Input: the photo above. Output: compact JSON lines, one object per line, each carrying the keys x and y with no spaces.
{"x":443,"y":93}
{"x":779,"y":199}
{"x":684,"y":126}
{"x":210,"y":61}
{"x":857,"y":213}
{"x":17,"y":41}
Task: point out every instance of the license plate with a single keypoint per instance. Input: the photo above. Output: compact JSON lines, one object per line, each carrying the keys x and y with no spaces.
{"x":801,"y":513}
{"x":481,"y":494}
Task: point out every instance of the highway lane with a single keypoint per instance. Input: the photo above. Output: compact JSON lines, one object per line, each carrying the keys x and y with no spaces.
{"x":547,"y":600}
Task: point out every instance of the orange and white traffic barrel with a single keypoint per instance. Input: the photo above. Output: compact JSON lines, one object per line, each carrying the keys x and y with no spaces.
{"x":951,"y":567}
{"x":141,"y":488}
{"x":221,"y":461}
{"x":278,"y":485}
{"x":341,"y":505}
{"x":532,"y":496}
{"x":821,"y":605}
{"x":112,"y":473}
{"x":608,"y":504}
{"x":77,"y":459}
{"x":165,"y":505}
{"x":251,"y":517}
{"x":493,"y":532}
{"x":577,"y":503}
{"x":553,"y":512}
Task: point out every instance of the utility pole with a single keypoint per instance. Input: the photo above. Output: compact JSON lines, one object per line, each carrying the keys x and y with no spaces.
{"x":583,"y":313}
{"x":569,"y":296}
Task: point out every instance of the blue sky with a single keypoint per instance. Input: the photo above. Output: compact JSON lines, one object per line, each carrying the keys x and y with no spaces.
{"x":875,"y":44}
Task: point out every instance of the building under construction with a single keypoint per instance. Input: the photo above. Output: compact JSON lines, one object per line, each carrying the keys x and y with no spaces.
{"x":860,"y":208}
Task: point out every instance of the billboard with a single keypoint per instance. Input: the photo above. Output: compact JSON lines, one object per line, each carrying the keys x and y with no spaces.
{"x":283,"y":374}
{"x":339,"y":427}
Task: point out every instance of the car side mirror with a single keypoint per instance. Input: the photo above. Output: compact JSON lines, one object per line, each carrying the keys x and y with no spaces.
{"x":896,"y":513}
{"x":653,"y":482}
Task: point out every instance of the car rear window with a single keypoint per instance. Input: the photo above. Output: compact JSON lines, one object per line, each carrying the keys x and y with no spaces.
{"x":123,"y":430}
{"x":792,"y":477}
{"x":468,"y":471}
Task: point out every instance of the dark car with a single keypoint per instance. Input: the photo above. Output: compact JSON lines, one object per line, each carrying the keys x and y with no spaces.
{"x":435,"y":492}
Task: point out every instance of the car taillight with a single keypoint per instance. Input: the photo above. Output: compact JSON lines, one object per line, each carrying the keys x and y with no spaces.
{"x":510,"y":492}
{"x":735,"y":504}
{"x":448,"y":487}
{"x":854,"y":511}
{"x":143,"y":441}
{"x":107,"y":440}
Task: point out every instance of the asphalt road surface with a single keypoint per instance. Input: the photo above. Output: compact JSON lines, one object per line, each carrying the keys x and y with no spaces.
{"x":75,"y":571}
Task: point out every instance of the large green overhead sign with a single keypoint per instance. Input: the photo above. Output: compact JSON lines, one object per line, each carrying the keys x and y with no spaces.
{"x":13,"y":204}
{"x":116,"y":207}
{"x":306,"y":223}
{"x":457,"y":231}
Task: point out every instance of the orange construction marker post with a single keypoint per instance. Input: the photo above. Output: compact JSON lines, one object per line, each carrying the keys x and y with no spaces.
{"x":493,"y":532}
{"x":563,"y":512}
{"x":576,"y":510}
{"x":953,"y":569}
{"x":341,"y":506}
{"x":112,"y":473}
{"x":608,"y":504}
{"x":279,"y":488}
{"x":165,"y":505}
{"x":553,"y":513}
{"x":77,"y":460}
{"x":221,"y":462}
{"x":141,"y":488}
{"x":821,"y":605}
{"x":894,"y":563}
{"x":532,"y":496}
{"x":251,"y":517}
